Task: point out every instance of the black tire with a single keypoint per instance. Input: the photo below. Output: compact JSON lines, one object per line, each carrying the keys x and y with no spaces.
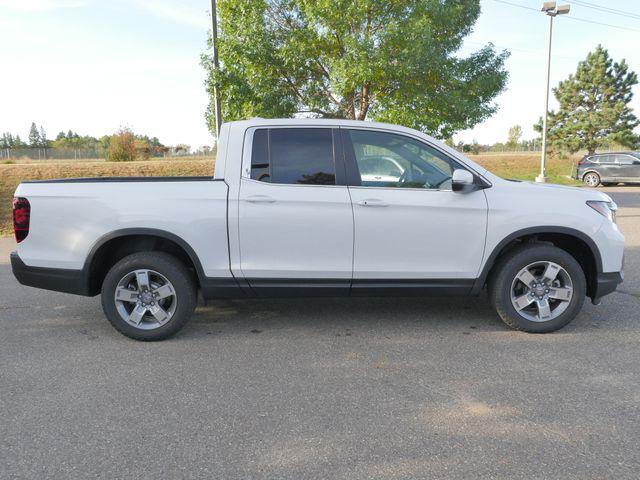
{"x":169,"y":267}
{"x":591,"y":183}
{"x":512,"y":263}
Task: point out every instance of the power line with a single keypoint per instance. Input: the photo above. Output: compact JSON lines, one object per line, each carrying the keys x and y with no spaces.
{"x":521,"y":50}
{"x":610,"y":10}
{"x":517,"y":5}
{"x":572,"y":17}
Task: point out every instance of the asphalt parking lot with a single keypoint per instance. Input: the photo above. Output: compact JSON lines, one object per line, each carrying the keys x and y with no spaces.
{"x":313,"y":389}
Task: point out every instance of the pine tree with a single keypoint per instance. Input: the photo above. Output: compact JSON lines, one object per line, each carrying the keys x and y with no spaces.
{"x":594,"y":106}
{"x":34,"y":136}
{"x":43,"y":137}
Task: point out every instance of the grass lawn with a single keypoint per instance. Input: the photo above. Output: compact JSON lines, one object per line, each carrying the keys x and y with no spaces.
{"x":526,"y":166}
{"x":522,"y":166}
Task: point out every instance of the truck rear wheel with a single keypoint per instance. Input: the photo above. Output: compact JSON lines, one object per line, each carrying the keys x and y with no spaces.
{"x":537,"y":288}
{"x":148,"y":296}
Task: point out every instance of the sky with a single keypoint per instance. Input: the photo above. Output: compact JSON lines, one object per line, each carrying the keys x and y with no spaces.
{"x":94,"y":66}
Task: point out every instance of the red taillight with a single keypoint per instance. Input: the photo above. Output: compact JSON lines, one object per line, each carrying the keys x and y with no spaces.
{"x":21,"y":214}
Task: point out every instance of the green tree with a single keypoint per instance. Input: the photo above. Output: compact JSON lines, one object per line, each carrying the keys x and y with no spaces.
{"x":6,"y":141}
{"x":515,"y":133}
{"x":387,"y":60}
{"x":18,"y":143}
{"x":594,"y":106}
{"x":34,"y":136}
{"x":43,"y":138}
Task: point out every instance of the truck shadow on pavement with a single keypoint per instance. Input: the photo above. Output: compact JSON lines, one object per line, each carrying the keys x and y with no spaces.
{"x":383,"y":316}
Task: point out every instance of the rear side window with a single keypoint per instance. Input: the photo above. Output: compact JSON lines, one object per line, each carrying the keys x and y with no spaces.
{"x":302,"y":156}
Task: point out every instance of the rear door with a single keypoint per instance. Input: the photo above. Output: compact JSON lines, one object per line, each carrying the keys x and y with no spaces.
{"x":295,"y":214}
{"x":608,"y":168}
{"x":411,"y":230}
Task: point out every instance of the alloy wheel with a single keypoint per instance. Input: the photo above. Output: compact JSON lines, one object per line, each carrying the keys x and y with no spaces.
{"x":145,"y":299}
{"x":591,"y":179}
{"x":541,"y":291}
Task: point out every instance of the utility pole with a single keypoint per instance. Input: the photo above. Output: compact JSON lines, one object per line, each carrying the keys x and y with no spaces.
{"x":214,"y":44}
{"x":551,"y":10}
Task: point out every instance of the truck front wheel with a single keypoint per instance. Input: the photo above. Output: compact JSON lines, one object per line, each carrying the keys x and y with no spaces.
{"x":148,"y":296}
{"x":537,"y":288}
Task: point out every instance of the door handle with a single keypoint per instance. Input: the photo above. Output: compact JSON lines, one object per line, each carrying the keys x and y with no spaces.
{"x":260,"y":199}
{"x":372,"y":202}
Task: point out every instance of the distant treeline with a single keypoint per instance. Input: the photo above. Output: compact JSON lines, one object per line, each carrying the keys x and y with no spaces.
{"x":122,"y":145}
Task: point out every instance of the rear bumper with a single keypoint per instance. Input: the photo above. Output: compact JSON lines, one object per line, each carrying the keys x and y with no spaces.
{"x":56,"y":279}
{"x":606,"y":283}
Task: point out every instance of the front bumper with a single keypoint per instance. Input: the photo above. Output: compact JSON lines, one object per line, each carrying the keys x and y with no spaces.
{"x":56,"y":279}
{"x":606,"y":283}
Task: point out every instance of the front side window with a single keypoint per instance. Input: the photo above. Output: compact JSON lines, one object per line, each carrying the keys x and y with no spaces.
{"x":624,"y":159}
{"x":302,"y":156}
{"x":391,"y":160}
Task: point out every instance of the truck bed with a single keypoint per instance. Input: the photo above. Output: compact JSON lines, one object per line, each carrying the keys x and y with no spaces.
{"x":69,"y":217}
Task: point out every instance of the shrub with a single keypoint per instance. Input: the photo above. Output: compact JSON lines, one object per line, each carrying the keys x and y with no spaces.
{"x":122,"y":147}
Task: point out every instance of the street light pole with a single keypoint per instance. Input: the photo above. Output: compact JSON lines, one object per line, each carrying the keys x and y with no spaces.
{"x":551,"y":10}
{"x":214,"y":44}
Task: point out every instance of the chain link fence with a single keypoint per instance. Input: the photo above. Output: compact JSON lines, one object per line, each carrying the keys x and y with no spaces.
{"x":44,"y":154}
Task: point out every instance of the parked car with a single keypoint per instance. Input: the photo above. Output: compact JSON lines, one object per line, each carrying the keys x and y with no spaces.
{"x":289,"y":212}
{"x":609,"y":168}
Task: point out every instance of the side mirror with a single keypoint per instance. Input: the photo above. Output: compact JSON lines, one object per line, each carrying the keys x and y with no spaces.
{"x":462,"y":181}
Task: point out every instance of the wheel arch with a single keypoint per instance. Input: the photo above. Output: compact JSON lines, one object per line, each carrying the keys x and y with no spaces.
{"x":114,"y":246}
{"x":573,"y":241}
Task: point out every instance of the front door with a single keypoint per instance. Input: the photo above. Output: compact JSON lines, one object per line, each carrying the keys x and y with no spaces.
{"x":628,"y":168}
{"x":295,"y":219}
{"x":411,"y":230}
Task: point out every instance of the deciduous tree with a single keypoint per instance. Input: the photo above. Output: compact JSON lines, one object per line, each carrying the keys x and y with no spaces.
{"x":122,"y":146}
{"x":515,"y":133}
{"x":388,"y":60}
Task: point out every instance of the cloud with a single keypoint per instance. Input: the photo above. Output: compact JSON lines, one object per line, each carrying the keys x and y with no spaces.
{"x":40,"y":5}
{"x":175,"y":11}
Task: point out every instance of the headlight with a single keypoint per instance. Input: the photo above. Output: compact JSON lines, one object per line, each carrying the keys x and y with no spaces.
{"x":606,"y":209}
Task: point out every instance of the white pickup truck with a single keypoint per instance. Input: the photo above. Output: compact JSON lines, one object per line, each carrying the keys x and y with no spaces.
{"x":305,"y":207}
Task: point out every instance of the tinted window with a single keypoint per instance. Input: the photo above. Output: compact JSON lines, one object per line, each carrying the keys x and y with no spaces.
{"x":260,"y":155}
{"x":390,"y":160}
{"x":293,"y":156}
